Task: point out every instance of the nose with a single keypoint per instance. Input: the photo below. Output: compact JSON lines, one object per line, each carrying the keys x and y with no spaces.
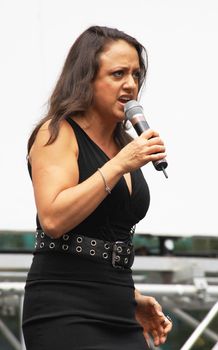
{"x":130,"y":83}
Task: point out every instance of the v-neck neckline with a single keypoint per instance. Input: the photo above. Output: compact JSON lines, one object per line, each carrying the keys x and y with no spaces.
{"x":101,"y":150}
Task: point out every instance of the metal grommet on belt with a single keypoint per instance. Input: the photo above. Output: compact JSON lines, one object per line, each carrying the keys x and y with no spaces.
{"x":78,"y":249}
{"x":128,"y":251}
{"x":42,"y":244}
{"x":105,"y":255}
{"x":92,"y":252}
{"x":119,"y":249}
{"x":93,"y":242}
{"x":106,"y":245}
{"x":51,"y":245}
{"x":126,"y":260}
{"x":65,"y":237}
{"x":79,"y":239}
{"x":65,"y":246}
{"x":42,"y":235}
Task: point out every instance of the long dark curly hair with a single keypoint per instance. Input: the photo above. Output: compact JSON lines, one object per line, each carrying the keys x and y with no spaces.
{"x":73,"y":93}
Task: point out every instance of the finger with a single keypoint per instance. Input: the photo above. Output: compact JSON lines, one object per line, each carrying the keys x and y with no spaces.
{"x":161,"y":336}
{"x":168,"y":327}
{"x":167,"y":321}
{"x":156,"y":149}
{"x":155,"y":141}
{"x":156,"y":156}
{"x":148,"y":134}
{"x":156,"y":338}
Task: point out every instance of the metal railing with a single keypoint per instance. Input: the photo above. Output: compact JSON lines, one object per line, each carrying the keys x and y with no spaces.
{"x":173,"y":296}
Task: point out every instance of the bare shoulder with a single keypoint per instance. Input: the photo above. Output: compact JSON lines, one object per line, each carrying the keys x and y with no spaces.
{"x":64,"y":143}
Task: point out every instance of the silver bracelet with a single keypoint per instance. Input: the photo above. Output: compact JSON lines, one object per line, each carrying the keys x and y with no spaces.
{"x":107,"y":188}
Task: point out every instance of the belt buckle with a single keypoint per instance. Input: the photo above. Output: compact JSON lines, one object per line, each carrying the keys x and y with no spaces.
{"x":115,"y":254}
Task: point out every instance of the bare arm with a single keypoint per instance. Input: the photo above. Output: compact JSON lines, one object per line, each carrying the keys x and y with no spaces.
{"x":61,"y":202}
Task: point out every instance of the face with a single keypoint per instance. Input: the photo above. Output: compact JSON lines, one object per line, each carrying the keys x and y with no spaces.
{"x":117,"y":80}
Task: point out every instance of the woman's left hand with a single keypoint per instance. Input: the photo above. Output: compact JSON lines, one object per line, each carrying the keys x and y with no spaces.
{"x":150,"y":316}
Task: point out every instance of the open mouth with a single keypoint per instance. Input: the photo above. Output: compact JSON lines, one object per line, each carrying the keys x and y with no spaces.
{"x":124,"y":99}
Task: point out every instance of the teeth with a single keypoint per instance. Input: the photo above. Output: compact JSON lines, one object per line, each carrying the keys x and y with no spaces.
{"x":124,"y":98}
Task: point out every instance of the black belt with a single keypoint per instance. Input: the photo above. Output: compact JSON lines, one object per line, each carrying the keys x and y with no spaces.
{"x":119,"y":254}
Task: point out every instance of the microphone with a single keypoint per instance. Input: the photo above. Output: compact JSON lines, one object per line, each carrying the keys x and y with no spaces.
{"x":134,"y":113}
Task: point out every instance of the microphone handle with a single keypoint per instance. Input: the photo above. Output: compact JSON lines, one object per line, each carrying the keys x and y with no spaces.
{"x":142,"y":126}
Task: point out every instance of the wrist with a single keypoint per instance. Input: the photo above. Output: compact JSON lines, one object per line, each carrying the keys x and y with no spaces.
{"x":117,"y":166}
{"x":107,"y":188}
{"x":138,"y":296}
{"x":110,"y":172}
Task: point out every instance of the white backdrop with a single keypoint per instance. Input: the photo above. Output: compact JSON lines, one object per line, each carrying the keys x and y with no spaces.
{"x":180,"y":99}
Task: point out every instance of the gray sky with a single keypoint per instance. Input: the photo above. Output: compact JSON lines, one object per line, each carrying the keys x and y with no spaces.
{"x":180,"y":99}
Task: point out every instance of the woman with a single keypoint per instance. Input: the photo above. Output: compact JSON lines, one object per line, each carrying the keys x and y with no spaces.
{"x":89,"y":193}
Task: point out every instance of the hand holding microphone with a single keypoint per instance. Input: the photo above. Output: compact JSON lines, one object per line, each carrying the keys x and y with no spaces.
{"x":134,"y":113}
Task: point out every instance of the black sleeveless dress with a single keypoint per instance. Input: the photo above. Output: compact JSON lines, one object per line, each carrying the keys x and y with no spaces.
{"x":77,"y":303}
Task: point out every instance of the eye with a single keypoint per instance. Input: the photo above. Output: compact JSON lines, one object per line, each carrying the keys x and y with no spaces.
{"x":118,"y":73}
{"x":137,"y":74}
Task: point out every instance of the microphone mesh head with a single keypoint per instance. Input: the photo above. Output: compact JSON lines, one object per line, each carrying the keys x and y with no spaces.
{"x":132,"y":108}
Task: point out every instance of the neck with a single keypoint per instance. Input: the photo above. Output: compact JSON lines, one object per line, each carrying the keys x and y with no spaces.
{"x":99,"y":131}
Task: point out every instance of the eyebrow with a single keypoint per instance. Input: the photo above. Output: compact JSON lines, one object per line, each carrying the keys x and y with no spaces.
{"x":124,"y":68}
